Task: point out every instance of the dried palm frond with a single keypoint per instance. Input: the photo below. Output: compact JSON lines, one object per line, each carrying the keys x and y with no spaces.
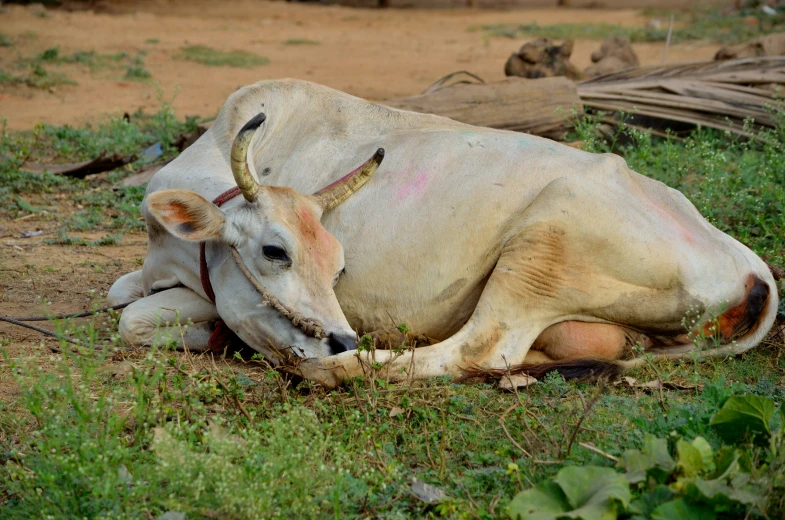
{"x":717,"y":94}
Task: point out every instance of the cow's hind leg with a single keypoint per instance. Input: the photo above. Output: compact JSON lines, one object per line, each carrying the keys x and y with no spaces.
{"x":176,"y":316}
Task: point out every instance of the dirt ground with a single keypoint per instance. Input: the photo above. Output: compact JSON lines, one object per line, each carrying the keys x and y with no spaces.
{"x":376,"y":54}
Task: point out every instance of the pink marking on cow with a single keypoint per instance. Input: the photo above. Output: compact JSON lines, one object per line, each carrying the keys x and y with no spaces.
{"x":415,"y":186}
{"x":684,"y":233}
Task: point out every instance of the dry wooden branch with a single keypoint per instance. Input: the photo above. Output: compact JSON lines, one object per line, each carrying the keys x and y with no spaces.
{"x":715,"y":94}
{"x":538,"y":106}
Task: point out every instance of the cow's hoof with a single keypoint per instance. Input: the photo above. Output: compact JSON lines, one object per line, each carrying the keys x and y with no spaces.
{"x":315,"y":370}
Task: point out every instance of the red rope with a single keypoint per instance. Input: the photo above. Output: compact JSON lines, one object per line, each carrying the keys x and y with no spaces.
{"x":204,"y":273}
{"x":222,"y":335}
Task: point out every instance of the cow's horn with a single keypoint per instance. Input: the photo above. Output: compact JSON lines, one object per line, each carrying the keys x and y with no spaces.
{"x":242,"y":175}
{"x":341,"y":189}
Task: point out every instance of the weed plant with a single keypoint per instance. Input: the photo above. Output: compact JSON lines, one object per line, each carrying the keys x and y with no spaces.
{"x":217,"y":58}
{"x":41,"y":70}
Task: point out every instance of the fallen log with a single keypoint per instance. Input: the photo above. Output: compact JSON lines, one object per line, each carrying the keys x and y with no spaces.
{"x":538,"y":106}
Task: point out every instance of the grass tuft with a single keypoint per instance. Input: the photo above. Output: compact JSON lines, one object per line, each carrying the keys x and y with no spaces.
{"x":215,"y":58}
{"x":301,"y":41}
{"x":137,"y":73}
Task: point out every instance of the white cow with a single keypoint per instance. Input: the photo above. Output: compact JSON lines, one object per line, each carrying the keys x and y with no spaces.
{"x":508,"y":248}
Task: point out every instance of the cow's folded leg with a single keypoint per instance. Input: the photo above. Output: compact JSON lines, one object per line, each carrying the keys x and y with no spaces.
{"x":128,"y":288}
{"x":499,"y":334}
{"x":175,"y":316}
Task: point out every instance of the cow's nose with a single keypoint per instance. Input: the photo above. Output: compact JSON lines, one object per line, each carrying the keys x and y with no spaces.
{"x":340,"y":344}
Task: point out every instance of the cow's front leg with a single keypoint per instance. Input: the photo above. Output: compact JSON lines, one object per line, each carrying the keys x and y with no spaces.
{"x":128,"y":288}
{"x":499,"y":334}
{"x":176,"y":315}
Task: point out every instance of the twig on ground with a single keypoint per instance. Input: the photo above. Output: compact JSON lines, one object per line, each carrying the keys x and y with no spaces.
{"x":48,"y":333}
{"x":507,"y":433}
{"x":77,"y":315}
{"x":587,"y":408}
{"x":598,"y":451}
{"x":226,"y":389}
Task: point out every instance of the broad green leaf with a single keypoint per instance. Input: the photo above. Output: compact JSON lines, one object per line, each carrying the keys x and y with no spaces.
{"x":705,"y":450}
{"x":636,"y":464}
{"x":726,"y":463}
{"x":658,"y":449}
{"x":739,"y":480}
{"x":719,"y":493}
{"x":690,"y":458}
{"x":544,"y":502}
{"x":648,"y":502}
{"x":592,"y":491}
{"x":715,"y":492}
{"x":681,"y":510}
{"x":743,"y":417}
{"x":653,"y":461}
{"x":580,"y":493}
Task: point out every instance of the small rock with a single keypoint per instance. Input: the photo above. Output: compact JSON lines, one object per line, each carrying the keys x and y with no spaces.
{"x":171,"y":515}
{"x":769,"y":45}
{"x":615,"y":54}
{"x":426,"y":492}
{"x":123,"y":370}
{"x":124,"y":475}
{"x":516,"y":381}
{"x":219,"y":433}
{"x":542,"y":58}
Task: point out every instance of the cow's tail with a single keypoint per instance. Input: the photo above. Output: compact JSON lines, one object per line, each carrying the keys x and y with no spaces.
{"x":586,"y":369}
{"x":740,"y":328}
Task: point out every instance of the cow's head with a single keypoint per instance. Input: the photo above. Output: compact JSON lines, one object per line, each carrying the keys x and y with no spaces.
{"x":274,"y":282}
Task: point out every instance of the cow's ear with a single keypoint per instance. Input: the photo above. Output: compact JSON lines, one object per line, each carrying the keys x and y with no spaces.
{"x":186,"y":215}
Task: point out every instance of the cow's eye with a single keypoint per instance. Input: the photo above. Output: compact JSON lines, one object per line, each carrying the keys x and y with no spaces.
{"x":275,"y":253}
{"x":335,"y":279}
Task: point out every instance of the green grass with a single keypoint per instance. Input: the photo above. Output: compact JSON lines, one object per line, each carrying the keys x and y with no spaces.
{"x":699,"y":24}
{"x":175,"y":433}
{"x":152,"y":41}
{"x":103,"y":205}
{"x":5,"y":41}
{"x":137,"y":73}
{"x":301,"y":41}
{"x":33,"y":72}
{"x":40,"y":70}
{"x":590,"y":31}
{"x":215,"y":58}
{"x":93,"y":436}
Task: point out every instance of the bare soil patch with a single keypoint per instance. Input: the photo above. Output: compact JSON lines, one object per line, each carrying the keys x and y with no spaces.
{"x":376,"y":54}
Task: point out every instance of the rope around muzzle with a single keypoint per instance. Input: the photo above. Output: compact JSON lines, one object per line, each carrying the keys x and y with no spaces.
{"x":310,"y":327}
